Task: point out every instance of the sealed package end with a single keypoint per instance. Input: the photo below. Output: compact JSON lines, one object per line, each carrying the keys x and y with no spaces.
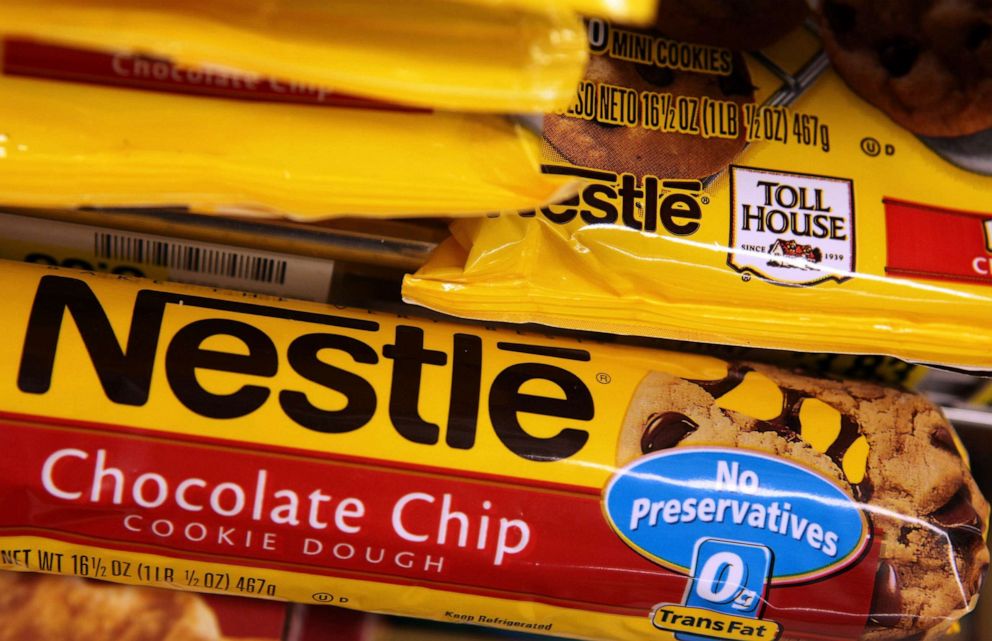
{"x":428,"y":53}
{"x":828,"y":192}
{"x":195,"y":439}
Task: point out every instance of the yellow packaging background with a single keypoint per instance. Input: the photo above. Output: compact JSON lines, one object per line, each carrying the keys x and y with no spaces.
{"x":613,"y":279}
{"x":625,"y":11}
{"x":467,"y":57}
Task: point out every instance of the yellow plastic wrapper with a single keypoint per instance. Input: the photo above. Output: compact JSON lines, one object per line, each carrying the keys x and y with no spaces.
{"x":72,"y":144}
{"x":784,"y":205}
{"x":624,"y":11}
{"x":434,"y":53}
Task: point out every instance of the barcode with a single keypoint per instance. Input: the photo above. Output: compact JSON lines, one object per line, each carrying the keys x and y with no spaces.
{"x":189,"y":258}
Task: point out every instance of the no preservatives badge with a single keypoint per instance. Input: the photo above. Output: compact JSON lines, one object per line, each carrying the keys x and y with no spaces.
{"x":736,"y":523}
{"x":792,"y":229}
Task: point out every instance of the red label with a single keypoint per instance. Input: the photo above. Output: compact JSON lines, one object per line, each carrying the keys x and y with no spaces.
{"x":925,"y":241}
{"x":326,"y":622}
{"x":42,"y":60}
{"x":241,"y":617}
{"x":363,"y":519}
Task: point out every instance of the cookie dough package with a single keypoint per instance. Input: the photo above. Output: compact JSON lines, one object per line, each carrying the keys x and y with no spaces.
{"x":828,"y":192}
{"x":429,"y":53}
{"x":128,"y":131}
{"x":204,"y":440}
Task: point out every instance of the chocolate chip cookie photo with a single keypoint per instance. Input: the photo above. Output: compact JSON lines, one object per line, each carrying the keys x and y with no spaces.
{"x":890,"y":450}
{"x":39,"y":607}
{"x":744,"y":25}
{"x":927,"y":64}
{"x":642,"y":151}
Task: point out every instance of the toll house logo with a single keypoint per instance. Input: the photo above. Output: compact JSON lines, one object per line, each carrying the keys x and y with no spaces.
{"x":793,"y":229}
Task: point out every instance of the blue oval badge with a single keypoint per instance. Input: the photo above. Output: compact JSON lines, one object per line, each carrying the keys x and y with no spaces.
{"x":663,"y":503}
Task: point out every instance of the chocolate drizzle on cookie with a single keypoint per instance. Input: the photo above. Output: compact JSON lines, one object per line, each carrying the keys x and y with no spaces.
{"x":886,"y":602}
{"x":849,"y":432}
{"x":898,"y":55}
{"x":787,"y":423}
{"x":665,"y":430}
{"x":959,"y":519}
{"x":963,"y":525}
{"x":979,"y":582}
{"x":943,"y":439}
{"x":723,"y":386}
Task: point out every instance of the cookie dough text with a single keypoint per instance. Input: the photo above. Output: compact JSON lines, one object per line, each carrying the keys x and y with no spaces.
{"x":225,"y":510}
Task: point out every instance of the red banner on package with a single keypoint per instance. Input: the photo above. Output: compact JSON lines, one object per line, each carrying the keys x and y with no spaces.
{"x":926,"y":241}
{"x":316,"y":513}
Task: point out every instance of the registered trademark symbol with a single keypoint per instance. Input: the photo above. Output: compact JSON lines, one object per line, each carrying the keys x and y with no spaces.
{"x":705,"y":200}
{"x":322,"y":597}
{"x":603,"y":378}
{"x":745,"y":277}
